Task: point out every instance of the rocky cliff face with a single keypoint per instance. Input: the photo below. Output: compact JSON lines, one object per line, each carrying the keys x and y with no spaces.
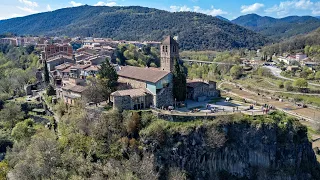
{"x":238,"y":151}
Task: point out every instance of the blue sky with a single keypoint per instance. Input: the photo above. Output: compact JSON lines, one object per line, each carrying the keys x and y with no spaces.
{"x":226,"y":8}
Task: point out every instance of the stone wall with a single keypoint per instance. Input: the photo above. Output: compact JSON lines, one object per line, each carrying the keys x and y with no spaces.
{"x":175,"y":118}
{"x":134,"y":83}
{"x":205,"y":90}
{"x":122,"y":103}
{"x":164,"y":98}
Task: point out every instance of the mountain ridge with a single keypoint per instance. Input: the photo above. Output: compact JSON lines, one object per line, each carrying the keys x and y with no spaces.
{"x":278,"y":28}
{"x":195,"y":30}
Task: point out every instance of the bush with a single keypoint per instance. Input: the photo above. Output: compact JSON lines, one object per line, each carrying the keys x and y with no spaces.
{"x":51,"y":91}
{"x":133,"y":125}
{"x":236,"y":72}
{"x":300,"y":83}
{"x":280,"y":84}
{"x":288,"y":86}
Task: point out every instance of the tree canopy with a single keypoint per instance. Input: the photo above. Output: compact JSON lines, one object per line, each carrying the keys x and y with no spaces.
{"x":108,"y":78}
{"x":179,"y":82}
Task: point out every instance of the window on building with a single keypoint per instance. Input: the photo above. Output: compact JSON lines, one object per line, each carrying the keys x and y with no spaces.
{"x":166,"y":48}
{"x":163,"y":50}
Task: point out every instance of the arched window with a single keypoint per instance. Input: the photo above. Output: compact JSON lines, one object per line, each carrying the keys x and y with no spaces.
{"x":166,"y":48}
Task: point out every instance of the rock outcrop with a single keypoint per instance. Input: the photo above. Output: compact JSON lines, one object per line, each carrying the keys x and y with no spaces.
{"x":241,"y":150}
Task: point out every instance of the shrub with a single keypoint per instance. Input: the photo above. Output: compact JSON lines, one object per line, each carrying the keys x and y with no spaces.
{"x":280,"y":84}
{"x":288,"y":86}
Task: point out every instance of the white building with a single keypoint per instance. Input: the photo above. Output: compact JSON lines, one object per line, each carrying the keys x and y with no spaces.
{"x":300,"y":56}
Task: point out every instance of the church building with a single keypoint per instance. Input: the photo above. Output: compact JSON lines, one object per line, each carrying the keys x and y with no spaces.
{"x":151,"y":87}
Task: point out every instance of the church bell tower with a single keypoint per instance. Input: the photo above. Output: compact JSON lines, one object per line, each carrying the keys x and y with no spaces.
{"x":169,"y":53}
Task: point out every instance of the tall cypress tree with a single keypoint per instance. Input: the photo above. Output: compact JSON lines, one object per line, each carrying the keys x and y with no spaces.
{"x":108,"y":78}
{"x":179,"y":82}
{"x":46,"y":73}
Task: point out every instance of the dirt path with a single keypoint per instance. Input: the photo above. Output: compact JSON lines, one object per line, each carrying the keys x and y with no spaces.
{"x":309,"y":114}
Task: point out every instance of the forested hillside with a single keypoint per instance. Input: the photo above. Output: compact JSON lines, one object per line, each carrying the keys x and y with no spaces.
{"x":278,"y":28}
{"x":298,"y":44}
{"x":196,"y":31}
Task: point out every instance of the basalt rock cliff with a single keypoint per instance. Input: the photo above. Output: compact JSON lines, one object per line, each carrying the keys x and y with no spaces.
{"x":236,"y":150}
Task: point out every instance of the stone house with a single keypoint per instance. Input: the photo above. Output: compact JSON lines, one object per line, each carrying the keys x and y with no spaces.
{"x":201,"y":91}
{"x":71,"y":93}
{"x":52,"y":63}
{"x":132,"y":99}
{"x":154,"y":82}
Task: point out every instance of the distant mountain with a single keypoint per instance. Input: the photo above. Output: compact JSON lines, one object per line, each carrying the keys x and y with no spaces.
{"x":318,"y":17}
{"x":222,"y":18}
{"x":196,"y":31}
{"x":278,"y":28}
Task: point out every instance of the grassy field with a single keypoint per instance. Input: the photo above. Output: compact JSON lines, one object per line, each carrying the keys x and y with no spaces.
{"x":308,"y":99}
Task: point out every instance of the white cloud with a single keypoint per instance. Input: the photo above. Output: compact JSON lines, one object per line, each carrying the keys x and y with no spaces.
{"x":28,"y":10}
{"x":110,"y":3}
{"x":285,"y":7}
{"x":180,"y":8}
{"x":212,"y":11}
{"x":49,"y":7}
{"x":10,"y":16}
{"x":29,"y":3}
{"x":251,"y":8}
{"x":185,"y":8}
{"x":75,"y":4}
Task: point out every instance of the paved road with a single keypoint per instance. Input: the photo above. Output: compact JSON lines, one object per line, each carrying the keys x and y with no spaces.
{"x":277,"y":72}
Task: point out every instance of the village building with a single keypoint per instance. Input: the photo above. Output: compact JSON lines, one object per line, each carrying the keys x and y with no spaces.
{"x":55,"y":61}
{"x":300,"y":56}
{"x":70,"y":93}
{"x":52,"y":50}
{"x":292,"y":68}
{"x":72,"y":84}
{"x":312,"y":65}
{"x":201,"y":91}
{"x":152,"y":87}
{"x":14,"y":41}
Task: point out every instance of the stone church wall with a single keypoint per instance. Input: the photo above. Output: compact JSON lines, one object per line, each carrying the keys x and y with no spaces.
{"x":132,"y":82}
{"x":165,"y":97}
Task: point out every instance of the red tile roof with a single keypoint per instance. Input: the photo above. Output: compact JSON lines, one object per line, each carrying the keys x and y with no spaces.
{"x":143,"y":74}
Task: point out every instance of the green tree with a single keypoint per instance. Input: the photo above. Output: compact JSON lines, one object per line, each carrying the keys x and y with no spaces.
{"x":280,"y":84}
{"x":310,"y":76}
{"x":179,"y":82}
{"x":300,"y":83}
{"x":288,"y":86}
{"x":108,"y":78}
{"x":46,"y":73}
{"x":4,"y":169}
{"x":263,"y":72}
{"x":23,"y":130}
{"x":11,"y":113}
{"x":94,"y":92}
{"x":133,"y":125}
{"x":30,"y":49}
{"x":236,"y":72}
{"x":317,"y":76}
{"x":51,"y":91}
{"x":40,"y":159}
